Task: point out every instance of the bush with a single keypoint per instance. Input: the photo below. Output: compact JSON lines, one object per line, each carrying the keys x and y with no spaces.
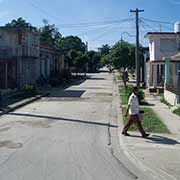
{"x":177,"y":111}
{"x":126,"y":92}
{"x":140,"y":96}
{"x":29,"y":89}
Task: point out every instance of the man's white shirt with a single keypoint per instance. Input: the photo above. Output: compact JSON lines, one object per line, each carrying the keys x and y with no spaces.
{"x":134,"y":105}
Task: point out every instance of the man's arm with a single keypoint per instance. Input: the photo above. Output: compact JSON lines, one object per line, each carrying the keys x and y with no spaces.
{"x":127,"y":110}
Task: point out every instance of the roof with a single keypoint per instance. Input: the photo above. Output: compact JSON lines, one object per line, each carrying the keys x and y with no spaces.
{"x":20,"y":28}
{"x":161,"y":33}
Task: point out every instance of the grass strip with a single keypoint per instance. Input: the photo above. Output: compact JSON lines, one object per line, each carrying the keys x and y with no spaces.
{"x":151,"y":122}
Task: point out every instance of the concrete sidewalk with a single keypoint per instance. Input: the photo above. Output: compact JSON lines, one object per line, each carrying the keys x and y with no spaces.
{"x":172,"y":121}
{"x":159,"y":155}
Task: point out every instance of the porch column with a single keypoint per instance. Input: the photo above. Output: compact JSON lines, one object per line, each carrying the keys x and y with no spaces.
{"x":155,"y":75}
{"x":167,"y":73}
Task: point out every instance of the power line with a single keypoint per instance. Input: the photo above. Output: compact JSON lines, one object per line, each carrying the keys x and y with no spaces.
{"x":156,"y":21}
{"x":33,"y":4}
{"x":92,"y":24}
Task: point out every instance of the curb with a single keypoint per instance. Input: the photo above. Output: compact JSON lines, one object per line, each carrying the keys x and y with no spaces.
{"x":24,"y":103}
{"x":160,"y":175}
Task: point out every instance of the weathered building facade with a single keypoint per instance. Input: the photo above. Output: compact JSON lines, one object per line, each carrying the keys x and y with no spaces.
{"x":23,"y":60}
{"x":162,"y":44}
{"x":19,"y":53}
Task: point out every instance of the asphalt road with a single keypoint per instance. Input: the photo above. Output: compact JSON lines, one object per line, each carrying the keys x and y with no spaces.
{"x":62,"y":137}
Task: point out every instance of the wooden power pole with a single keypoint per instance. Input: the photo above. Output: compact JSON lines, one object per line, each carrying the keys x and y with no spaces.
{"x":137,"y":11}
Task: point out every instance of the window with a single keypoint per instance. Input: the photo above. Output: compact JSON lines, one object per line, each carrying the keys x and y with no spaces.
{"x":168,"y":45}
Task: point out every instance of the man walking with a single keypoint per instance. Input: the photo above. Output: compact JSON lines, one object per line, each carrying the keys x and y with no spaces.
{"x":133,"y":109}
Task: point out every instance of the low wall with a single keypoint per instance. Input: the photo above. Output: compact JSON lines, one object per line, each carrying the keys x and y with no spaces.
{"x":171,"y":98}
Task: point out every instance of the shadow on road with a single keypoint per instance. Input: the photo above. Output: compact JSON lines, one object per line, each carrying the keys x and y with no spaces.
{"x":67,"y":93}
{"x":63,"y":119}
{"x":162,"y":140}
{"x":158,"y":140}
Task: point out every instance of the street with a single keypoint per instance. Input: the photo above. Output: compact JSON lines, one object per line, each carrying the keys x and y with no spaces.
{"x":62,"y":137}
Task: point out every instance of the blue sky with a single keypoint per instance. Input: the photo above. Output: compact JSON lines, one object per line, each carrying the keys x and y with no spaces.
{"x":82,"y":11}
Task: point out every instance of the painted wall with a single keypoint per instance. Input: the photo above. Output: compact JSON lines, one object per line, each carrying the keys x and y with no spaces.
{"x":163,"y":45}
{"x":171,"y":98}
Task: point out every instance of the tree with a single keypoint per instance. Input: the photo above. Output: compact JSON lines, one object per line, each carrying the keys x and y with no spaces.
{"x":80,"y":60}
{"x":94,"y":60}
{"x":49,"y":35}
{"x":19,"y":22}
{"x":122,"y":55}
{"x":71,"y":43}
{"x":104,"y":50}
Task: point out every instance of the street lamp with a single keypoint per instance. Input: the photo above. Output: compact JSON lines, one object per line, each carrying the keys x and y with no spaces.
{"x":130,"y":35}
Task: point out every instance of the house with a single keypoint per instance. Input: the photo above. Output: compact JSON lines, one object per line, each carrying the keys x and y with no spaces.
{"x":161,"y":44}
{"x":172,"y":79}
{"x":19,"y":56}
{"x":23,"y":60}
{"x":52,"y":63}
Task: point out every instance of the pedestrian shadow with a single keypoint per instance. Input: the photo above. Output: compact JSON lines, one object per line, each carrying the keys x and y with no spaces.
{"x":156,"y":139}
{"x":64,"y":119}
{"x":162,"y":140}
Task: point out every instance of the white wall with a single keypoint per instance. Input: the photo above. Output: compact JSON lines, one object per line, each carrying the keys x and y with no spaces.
{"x":157,"y":51}
{"x":171,"y":98}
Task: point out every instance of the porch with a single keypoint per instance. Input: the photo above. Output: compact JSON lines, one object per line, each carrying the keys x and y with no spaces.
{"x":155,"y":72}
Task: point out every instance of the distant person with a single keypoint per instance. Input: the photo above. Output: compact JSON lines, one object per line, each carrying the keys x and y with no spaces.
{"x":134,"y":114}
{"x":125,"y":78}
{"x":126,"y":74}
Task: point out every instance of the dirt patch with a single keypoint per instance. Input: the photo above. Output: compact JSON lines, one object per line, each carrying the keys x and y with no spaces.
{"x":10,"y":145}
{"x":36,"y":124}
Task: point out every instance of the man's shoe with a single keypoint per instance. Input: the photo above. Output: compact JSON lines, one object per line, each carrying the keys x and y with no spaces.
{"x":125,"y":134}
{"x":145,"y":135}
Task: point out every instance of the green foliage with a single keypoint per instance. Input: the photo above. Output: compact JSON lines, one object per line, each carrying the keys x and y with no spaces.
{"x":49,"y":35}
{"x":177,"y":111}
{"x":94,"y":60}
{"x":151,"y":122}
{"x":71,"y":43}
{"x":126,"y":92}
{"x":81,"y":60}
{"x":19,"y":22}
{"x":29,"y":89}
{"x":104,"y":50}
{"x":122,"y":55}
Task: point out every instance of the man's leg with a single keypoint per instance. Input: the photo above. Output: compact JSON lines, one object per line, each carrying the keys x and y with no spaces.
{"x":139,"y":125}
{"x":127,"y":126}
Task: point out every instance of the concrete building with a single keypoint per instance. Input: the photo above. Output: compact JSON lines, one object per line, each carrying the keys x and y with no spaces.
{"x":23,"y":60}
{"x":19,"y":56}
{"x":161,"y":44}
{"x":51,"y":62}
{"x":172,"y":79}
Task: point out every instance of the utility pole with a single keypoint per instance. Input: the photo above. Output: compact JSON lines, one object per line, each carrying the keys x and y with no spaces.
{"x":137,"y":11}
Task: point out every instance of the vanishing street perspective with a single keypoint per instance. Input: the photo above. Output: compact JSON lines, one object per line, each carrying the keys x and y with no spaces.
{"x":90,"y":90}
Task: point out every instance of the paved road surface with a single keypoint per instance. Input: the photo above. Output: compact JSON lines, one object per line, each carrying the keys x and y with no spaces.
{"x":62,"y":137}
